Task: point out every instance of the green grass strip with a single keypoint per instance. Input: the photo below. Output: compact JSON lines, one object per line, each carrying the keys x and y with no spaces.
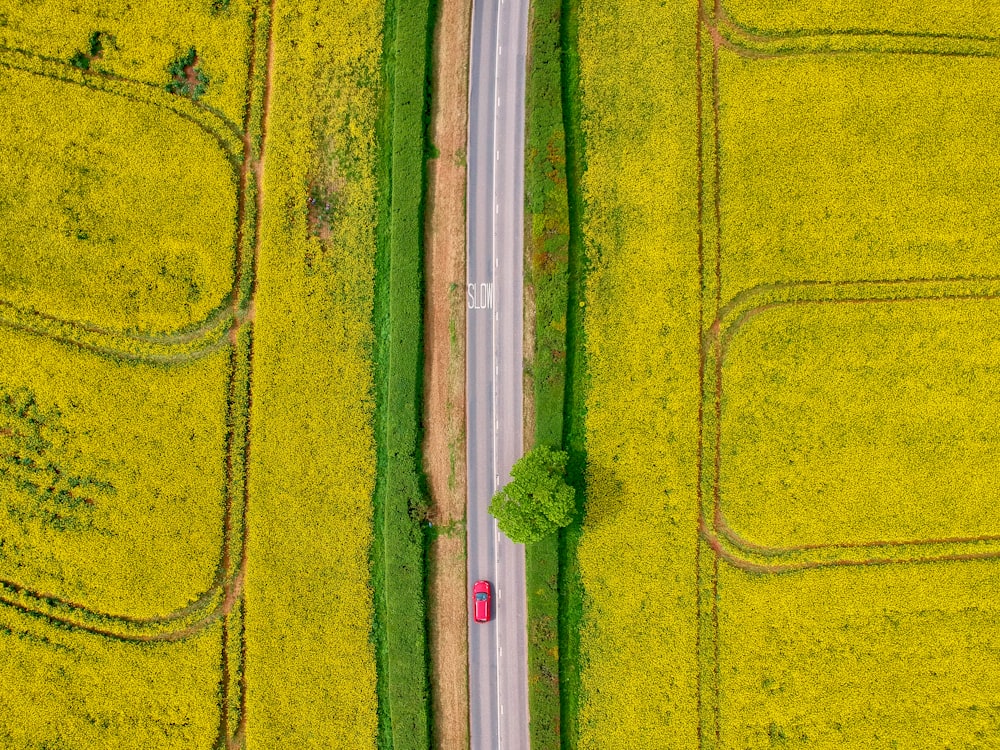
{"x":398,"y":557}
{"x":571,"y":594}
{"x":548,"y":233}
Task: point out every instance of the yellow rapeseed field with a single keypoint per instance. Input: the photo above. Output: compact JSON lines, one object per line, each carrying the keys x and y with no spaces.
{"x":131,"y":226}
{"x":139,"y":39}
{"x":187,"y":243}
{"x":112,"y":476}
{"x":791,"y":534}
{"x":893,"y":438}
{"x":637,"y":552}
{"x":821,"y":182}
{"x":62,"y":689}
{"x":889,"y":657}
{"x":312,"y":472}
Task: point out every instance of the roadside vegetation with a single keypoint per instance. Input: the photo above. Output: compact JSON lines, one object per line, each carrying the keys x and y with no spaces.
{"x":443,"y":445}
{"x":401,"y":497}
{"x":574,"y":427}
{"x":553,"y":278}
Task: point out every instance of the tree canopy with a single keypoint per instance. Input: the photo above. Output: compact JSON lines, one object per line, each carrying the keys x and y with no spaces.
{"x":537,"y":501}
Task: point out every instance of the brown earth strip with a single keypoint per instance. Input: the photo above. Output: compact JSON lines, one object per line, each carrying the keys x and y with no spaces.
{"x":238,"y":738}
{"x":444,"y":376}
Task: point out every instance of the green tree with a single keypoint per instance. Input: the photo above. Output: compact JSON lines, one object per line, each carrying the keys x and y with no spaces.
{"x":537,"y":501}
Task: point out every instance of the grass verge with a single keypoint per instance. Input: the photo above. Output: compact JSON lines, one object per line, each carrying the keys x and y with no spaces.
{"x":381,"y":357}
{"x":398,"y":558}
{"x":574,"y":429}
{"x":547,"y":240}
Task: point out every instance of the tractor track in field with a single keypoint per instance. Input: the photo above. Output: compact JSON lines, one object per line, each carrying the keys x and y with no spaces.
{"x":713,"y":529}
{"x":721,"y":333}
{"x":235,"y":312}
{"x":721,"y":14}
{"x":755,"y":44}
{"x":717,"y":341}
{"x":137,"y":91}
{"x":718,"y":544}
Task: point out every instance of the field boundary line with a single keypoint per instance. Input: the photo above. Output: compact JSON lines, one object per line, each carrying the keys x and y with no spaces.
{"x":753,"y":44}
{"x":700,"y":221}
{"x":233,"y":728}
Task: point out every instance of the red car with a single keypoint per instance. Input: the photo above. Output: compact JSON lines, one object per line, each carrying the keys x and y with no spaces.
{"x":481,"y":601}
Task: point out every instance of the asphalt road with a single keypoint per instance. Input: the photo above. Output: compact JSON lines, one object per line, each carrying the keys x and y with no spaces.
{"x":498,"y":660}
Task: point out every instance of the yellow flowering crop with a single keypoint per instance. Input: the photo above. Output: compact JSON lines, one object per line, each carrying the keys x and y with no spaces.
{"x":140,"y":38}
{"x":310,"y":661}
{"x":127,"y":226}
{"x":821,"y":182}
{"x":898,"y":656}
{"x":147,"y":448}
{"x":859,"y":423}
{"x":636,"y":554}
{"x":791,"y":531}
{"x":65,"y":689}
{"x":185,"y":346}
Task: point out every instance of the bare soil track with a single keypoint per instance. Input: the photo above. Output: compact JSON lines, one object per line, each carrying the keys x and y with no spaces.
{"x":444,"y":375}
{"x":714,"y":533}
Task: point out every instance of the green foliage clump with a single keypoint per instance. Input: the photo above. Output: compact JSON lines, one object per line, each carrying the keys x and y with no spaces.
{"x":33,"y":474}
{"x":187,"y":77}
{"x":95,"y":48}
{"x":538,"y":501}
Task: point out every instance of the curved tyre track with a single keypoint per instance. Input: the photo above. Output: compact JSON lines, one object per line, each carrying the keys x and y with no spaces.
{"x":760,"y":558}
{"x":728,"y":33}
{"x":230,"y":324}
{"x":731,"y":316}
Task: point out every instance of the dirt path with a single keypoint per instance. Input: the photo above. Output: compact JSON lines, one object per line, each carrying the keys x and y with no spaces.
{"x":444,"y":373}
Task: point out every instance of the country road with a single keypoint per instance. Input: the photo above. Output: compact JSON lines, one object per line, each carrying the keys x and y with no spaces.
{"x":498,"y":663}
